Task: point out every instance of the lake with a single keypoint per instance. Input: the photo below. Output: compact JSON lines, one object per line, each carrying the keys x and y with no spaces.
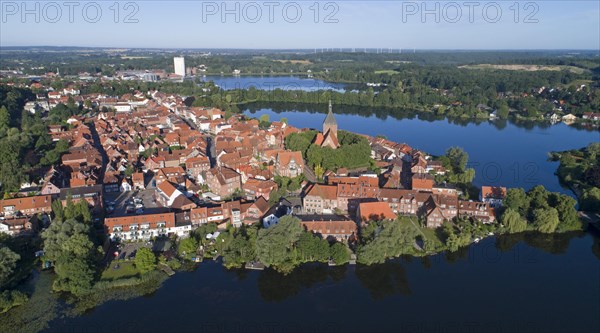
{"x":516,"y":283}
{"x":501,"y":152}
{"x":273,"y":82}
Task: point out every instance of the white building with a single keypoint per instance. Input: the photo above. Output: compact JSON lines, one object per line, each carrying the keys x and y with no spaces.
{"x":179,"y":64}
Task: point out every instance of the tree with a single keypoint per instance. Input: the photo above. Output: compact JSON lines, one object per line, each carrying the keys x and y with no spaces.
{"x":545,"y":219}
{"x":395,"y":238}
{"x":145,"y":260}
{"x":58,"y":210}
{"x":512,"y":221}
{"x":538,"y":196}
{"x":188,"y":246}
{"x":319,"y":171}
{"x":8,"y":263}
{"x":4,"y":118}
{"x":458,"y":159}
{"x":68,"y":244}
{"x":517,"y":200}
{"x":567,"y":214}
{"x":502,"y":111}
{"x":275,"y":245}
{"x":339,"y":253}
{"x":241,"y":250}
{"x":312,"y":248}
{"x":83,"y":213}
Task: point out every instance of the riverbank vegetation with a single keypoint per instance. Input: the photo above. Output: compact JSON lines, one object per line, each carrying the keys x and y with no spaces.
{"x":580,"y":170}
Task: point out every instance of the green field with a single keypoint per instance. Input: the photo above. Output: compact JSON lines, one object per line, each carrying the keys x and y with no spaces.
{"x":126,"y":270}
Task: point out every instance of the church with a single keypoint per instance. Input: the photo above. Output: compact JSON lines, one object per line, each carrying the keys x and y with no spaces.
{"x":329,"y":136}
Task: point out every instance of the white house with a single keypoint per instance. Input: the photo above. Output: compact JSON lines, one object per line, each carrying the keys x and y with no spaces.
{"x":125,"y":186}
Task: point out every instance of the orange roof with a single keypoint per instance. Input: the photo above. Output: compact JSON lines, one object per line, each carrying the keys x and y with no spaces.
{"x":493,"y":192}
{"x":328,"y":192}
{"x":375,"y":211}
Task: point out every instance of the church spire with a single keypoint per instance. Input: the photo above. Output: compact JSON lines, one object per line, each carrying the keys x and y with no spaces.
{"x":330,"y":119}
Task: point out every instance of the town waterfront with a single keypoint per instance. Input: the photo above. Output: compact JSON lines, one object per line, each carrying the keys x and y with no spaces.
{"x":501,"y":152}
{"x":472,"y":289}
{"x":513,"y":283}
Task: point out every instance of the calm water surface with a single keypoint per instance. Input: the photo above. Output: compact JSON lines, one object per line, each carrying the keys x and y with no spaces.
{"x":511,"y":284}
{"x":273,"y":82}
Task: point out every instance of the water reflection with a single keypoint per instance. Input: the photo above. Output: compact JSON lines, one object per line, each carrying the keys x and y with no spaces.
{"x":383,"y":280}
{"x":399,"y":114}
{"x":274,"y":286}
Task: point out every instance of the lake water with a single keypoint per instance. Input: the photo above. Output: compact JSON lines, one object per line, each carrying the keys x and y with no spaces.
{"x":501,"y":152}
{"x":515,"y":283}
{"x":273,"y":82}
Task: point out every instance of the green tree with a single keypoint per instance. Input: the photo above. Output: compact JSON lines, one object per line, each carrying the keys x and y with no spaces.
{"x":145,"y":260}
{"x":512,"y":221}
{"x":68,"y":244}
{"x":4,"y":118}
{"x":312,"y":248}
{"x":517,"y":200}
{"x":275,"y":245}
{"x":8,"y":263}
{"x":538,"y":196}
{"x":339,"y":253}
{"x":188,"y":247}
{"x":458,"y":159}
{"x":394,"y":238}
{"x":545,"y":219}
{"x":58,"y":210}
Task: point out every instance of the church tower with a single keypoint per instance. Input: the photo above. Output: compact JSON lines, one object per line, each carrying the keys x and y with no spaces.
{"x":330,"y":124}
{"x":330,"y":131}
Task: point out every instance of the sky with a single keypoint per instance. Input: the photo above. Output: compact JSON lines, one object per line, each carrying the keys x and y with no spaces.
{"x":550,"y":24}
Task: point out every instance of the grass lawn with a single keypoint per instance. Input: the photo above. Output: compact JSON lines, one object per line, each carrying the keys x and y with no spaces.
{"x":126,"y":270}
{"x":432,"y":236}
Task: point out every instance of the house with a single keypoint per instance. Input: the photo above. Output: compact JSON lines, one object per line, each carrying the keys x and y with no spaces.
{"x":432,"y":213}
{"x":281,"y":209}
{"x":591,"y":116}
{"x":174,"y":174}
{"x":125,"y":186}
{"x":320,"y":199}
{"x":27,"y":206}
{"x":374,"y":211}
{"x":290,"y":164}
{"x":255,"y":188}
{"x":138,"y":181}
{"x":330,"y":227}
{"x":223,"y":181}
{"x":493,"y":195}
{"x":18,"y":226}
{"x":169,"y":196}
{"x":422,"y":182}
{"x":140,"y":227}
{"x":257,"y":209}
{"x":91,"y":194}
{"x":195,"y":166}
{"x":477,"y":210}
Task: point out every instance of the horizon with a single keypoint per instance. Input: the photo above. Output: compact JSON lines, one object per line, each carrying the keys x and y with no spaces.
{"x":406,"y":25}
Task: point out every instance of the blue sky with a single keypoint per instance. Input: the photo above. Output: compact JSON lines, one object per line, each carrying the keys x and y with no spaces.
{"x":352,"y":24}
